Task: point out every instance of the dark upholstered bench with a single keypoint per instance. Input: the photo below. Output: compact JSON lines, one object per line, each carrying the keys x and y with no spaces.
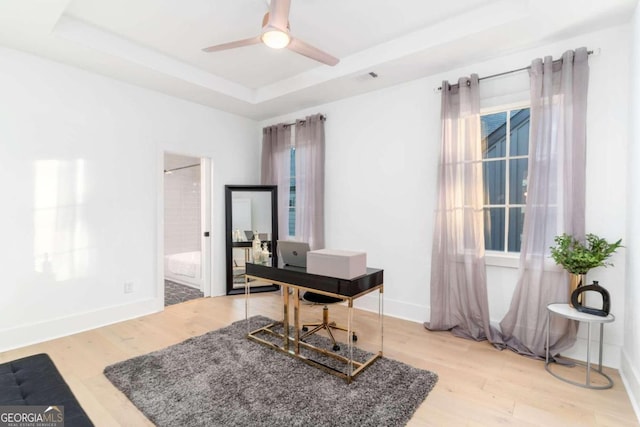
{"x":35,"y":380}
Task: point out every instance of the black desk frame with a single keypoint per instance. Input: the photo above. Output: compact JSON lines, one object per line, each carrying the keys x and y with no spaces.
{"x":296,"y":280}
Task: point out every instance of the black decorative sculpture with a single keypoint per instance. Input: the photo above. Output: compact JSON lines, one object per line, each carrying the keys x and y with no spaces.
{"x":594,"y":287}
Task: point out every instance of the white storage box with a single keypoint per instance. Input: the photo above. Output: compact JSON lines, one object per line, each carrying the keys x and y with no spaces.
{"x":337,"y":263}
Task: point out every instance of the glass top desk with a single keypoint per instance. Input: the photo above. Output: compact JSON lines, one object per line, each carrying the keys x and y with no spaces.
{"x":287,"y":339}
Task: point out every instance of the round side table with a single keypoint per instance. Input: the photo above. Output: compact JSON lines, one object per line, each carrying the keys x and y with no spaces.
{"x":566,"y":311}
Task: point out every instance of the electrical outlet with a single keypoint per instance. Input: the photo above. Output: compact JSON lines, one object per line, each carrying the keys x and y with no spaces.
{"x":128,"y":287}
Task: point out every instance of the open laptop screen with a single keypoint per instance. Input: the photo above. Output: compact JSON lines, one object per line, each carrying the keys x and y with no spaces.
{"x":293,"y":253}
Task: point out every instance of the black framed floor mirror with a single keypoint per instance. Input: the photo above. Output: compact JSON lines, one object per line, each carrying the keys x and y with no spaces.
{"x":251,"y":218}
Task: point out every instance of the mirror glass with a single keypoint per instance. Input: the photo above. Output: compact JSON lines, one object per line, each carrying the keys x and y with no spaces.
{"x":251,"y":219}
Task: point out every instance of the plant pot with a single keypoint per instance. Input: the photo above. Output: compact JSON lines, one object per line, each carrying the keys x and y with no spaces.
{"x":575,"y":281}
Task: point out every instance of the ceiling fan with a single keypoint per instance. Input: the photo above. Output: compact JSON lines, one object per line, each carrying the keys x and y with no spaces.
{"x":276,"y":35}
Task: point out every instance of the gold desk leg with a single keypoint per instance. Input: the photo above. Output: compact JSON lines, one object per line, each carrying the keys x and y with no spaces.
{"x":296,"y":321}
{"x":285,"y":320}
{"x":354,"y":368}
{"x":381,"y":317}
{"x":350,"y":339}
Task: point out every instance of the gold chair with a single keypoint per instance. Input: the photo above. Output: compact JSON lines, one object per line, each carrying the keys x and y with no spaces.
{"x":325,"y":324}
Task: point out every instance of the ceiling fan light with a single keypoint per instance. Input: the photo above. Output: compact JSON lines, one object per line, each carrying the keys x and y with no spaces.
{"x":275,"y":39}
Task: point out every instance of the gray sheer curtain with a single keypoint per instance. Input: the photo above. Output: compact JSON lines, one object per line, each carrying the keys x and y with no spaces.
{"x":458,"y":281}
{"x":309,"y":145}
{"x":275,"y":169}
{"x":555,"y":201}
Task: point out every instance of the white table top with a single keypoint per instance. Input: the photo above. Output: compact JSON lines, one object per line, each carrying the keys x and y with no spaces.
{"x":569,"y":312}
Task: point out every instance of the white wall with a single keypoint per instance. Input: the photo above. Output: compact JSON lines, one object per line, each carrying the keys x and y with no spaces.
{"x":381,"y":155}
{"x":81,"y":160}
{"x":630,"y":366}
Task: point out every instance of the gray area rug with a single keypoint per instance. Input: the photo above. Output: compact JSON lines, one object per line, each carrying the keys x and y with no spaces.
{"x":223,"y":379}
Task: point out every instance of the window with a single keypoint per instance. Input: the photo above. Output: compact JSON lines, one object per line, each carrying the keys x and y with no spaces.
{"x":505,"y":150}
{"x":292,"y":194}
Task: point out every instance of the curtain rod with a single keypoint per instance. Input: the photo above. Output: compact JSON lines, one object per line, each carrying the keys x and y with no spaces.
{"x":322,"y":117}
{"x":181,"y":167}
{"x":517,"y":70}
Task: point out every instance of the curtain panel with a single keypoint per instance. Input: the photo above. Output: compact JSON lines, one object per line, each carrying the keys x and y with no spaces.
{"x":459,"y":299}
{"x":310,"y":165}
{"x":275,"y":168}
{"x":555,"y":202}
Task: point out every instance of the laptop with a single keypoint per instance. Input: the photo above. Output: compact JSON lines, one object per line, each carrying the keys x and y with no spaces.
{"x":293,"y":253}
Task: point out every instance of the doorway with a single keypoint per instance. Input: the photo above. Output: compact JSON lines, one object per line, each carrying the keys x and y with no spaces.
{"x":187,"y":201}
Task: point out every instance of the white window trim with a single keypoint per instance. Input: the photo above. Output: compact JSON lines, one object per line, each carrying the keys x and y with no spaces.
{"x":504,"y":107}
{"x":502,"y":259}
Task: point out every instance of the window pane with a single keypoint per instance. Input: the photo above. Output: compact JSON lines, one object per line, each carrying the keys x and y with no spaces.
{"x":494,"y":135}
{"x":494,"y":229}
{"x":516,"y":224}
{"x":519,"y":132}
{"x":518,"y":181}
{"x":494,"y":182}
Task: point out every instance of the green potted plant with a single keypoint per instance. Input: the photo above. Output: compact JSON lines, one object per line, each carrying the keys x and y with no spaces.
{"x":578,"y":258}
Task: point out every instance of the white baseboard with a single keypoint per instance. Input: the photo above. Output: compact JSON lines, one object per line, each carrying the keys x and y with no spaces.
{"x":45,"y":331}
{"x":34,"y":333}
{"x":631,"y":381}
{"x":610,"y":352}
{"x":401,"y":310}
{"x":419,"y":313}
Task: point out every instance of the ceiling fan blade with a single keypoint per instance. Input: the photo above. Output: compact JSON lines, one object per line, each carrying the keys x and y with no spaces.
{"x":232,"y":45}
{"x":309,"y":51}
{"x":279,"y":14}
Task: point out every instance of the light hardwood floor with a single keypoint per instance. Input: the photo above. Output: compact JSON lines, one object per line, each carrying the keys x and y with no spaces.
{"x":478,"y":385}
